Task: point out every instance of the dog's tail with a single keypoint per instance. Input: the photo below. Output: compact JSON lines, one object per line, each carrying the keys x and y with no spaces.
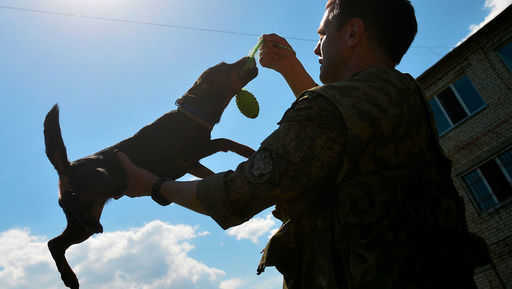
{"x":55,"y":149}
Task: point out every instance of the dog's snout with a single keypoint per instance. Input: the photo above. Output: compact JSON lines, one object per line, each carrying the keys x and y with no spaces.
{"x":249,"y":69}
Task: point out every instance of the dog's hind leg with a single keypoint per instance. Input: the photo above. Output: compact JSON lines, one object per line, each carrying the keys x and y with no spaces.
{"x":224,"y":145}
{"x":58,"y":246}
{"x":200,"y":171}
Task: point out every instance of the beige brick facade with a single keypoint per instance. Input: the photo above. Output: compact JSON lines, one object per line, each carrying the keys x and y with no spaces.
{"x":482,"y":136}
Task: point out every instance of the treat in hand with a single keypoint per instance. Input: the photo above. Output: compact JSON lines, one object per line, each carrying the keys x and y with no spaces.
{"x":245,"y":101}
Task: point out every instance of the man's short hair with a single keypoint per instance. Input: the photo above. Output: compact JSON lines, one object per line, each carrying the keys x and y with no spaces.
{"x":391,"y":24}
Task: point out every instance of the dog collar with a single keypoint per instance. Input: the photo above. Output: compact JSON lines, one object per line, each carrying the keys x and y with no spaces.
{"x":188,"y":111}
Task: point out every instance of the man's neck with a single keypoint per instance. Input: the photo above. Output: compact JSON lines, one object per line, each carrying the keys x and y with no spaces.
{"x":362,"y":64}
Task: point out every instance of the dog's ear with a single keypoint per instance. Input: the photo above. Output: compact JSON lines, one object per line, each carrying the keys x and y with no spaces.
{"x":55,"y":149}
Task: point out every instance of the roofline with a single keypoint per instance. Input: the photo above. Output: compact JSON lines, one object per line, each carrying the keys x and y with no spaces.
{"x":504,"y":15}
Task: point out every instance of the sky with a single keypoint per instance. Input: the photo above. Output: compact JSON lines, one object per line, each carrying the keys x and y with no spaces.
{"x":111,"y":78}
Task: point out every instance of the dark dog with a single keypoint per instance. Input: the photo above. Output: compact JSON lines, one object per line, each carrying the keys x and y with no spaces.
{"x":169,"y":147}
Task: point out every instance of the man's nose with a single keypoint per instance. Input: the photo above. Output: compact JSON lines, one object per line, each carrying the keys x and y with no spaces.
{"x":317,"y":48}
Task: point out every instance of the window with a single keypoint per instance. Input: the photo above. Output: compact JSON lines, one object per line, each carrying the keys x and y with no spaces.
{"x":456,"y":103}
{"x":491,"y":183}
{"x":505,"y":53}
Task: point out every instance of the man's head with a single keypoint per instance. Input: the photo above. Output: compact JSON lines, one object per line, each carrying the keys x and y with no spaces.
{"x":356,"y":34}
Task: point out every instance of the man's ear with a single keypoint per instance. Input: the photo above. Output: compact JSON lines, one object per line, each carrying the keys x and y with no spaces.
{"x":55,"y":149}
{"x":356,"y":30}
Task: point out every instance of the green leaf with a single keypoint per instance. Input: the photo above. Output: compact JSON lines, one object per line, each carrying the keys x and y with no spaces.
{"x":247,"y":104}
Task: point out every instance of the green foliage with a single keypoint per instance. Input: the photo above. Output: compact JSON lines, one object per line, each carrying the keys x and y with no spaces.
{"x":247,"y":104}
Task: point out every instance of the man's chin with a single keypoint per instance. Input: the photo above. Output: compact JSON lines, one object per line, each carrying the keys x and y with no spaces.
{"x":322,"y":75}
{"x":324,"y":78}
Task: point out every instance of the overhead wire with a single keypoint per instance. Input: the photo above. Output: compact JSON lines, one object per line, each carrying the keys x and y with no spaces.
{"x":170,"y":26}
{"x":137,"y":22}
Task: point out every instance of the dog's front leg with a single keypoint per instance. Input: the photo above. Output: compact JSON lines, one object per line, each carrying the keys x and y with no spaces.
{"x":219,"y":145}
{"x":224,"y":144}
{"x":200,"y":171}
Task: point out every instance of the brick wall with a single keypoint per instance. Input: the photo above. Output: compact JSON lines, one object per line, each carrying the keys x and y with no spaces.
{"x":482,"y":136}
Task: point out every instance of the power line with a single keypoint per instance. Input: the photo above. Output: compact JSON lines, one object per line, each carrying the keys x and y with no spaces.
{"x":136,"y":22}
{"x":164,"y":25}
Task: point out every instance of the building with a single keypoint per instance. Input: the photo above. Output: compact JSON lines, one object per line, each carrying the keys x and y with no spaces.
{"x":470,"y":93}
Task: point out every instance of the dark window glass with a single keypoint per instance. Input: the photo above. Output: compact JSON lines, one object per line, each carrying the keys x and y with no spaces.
{"x":497,"y":180}
{"x":452,"y":105}
{"x":469,"y":95}
{"x":506,"y":54}
{"x":442,"y":123}
{"x":480,"y":190}
{"x":506,"y":162}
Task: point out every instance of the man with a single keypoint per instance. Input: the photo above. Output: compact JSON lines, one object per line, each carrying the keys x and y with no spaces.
{"x":354,"y":169}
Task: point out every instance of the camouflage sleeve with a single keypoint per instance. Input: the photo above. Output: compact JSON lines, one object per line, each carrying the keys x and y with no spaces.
{"x":302,"y":154}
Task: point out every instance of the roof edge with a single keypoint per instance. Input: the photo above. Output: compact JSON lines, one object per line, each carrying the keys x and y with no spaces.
{"x":464,"y":46}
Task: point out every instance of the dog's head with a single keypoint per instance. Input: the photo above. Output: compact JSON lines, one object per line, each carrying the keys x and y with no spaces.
{"x":215,"y":88}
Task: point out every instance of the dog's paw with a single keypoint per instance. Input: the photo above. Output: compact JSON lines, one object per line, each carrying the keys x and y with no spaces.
{"x":70,"y":280}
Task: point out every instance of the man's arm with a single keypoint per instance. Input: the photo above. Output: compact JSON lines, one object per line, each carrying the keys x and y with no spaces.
{"x":299,"y":156}
{"x":295,"y":162}
{"x":277,"y":54}
{"x":140,"y":182}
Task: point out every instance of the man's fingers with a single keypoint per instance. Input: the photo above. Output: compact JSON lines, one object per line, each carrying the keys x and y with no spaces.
{"x":122,"y":157}
{"x":130,"y":169}
{"x":269,"y":61}
{"x":125,"y":161}
{"x":276,"y":41}
{"x":274,"y":37}
{"x":276,"y":49}
{"x":272,"y":60}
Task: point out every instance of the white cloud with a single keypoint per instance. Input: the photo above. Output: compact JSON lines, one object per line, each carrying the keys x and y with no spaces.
{"x":495,"y":7}
{"x":154,"y":256}
{"x":253,"y":229}
{"x":22,"y":255}
{"x":275,"y":281}
{"x":271,"y":279}
{"x":231,"y":284}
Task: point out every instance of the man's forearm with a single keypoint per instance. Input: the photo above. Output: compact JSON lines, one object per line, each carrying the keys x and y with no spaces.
{"x":183,"y":194}
{"x":297,"y":77}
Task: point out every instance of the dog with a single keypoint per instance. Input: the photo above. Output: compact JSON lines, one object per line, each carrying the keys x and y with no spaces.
{"x":169,"y":147}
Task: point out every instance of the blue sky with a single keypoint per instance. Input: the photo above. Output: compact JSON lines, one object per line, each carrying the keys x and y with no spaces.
{"x":112,"y":78}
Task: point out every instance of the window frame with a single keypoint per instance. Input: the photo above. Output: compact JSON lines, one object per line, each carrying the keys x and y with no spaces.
{"x":476,"y":203}
{"x":505,"y":172}
{"x":461,"y":102}
{"x":500,"y":56}
{"x":470,"y":192}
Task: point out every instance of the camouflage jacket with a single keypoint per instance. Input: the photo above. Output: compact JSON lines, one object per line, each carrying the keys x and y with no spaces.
{"x":362,"y":187}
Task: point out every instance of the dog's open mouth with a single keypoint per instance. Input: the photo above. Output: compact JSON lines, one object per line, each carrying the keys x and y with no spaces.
{"x":249,"y":71}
